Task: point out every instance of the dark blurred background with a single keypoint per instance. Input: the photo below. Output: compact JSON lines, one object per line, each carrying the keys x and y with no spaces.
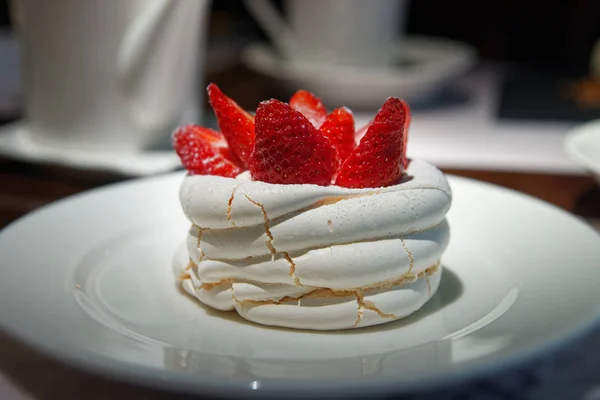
{"x":546,"y":43}
{"x":557,"y":32}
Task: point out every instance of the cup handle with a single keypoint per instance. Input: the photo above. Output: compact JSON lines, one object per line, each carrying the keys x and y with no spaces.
{"x":135,"y":73}
{"x":274,"y":25}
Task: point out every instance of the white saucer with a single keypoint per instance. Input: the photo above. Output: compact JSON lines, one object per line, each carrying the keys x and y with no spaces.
{"x":433,"y":63}
{"x":16,"y":144}
{"x":582,"y":144}
{"x":88,"y":280}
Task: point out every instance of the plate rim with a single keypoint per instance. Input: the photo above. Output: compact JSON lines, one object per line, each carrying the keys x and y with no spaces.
{"x":574,"y":139}
{"x":176,"y":381}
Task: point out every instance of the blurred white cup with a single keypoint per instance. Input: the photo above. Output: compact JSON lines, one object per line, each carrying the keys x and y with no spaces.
{"x":110,"y":74}
{"x":348,"y":32}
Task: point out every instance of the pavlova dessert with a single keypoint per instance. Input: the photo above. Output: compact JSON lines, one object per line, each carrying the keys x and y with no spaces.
{"x":299,"y":220}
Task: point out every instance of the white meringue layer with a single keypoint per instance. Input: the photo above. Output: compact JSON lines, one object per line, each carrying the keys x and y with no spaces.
{"x":345,"y":312}
{"x":312,"y":257}
{"x":318,"y":313}
{"x":215,"y":202}
{"x":337,"y":267}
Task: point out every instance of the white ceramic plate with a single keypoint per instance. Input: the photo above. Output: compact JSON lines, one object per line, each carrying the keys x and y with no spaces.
{"x":89,"y":280}
{"x":433,"y":64}
{"x":582,"y":144}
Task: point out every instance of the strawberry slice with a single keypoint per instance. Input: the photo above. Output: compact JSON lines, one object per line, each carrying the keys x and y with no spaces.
{"x":310,"y":105}
{"x":379,"y":158}
{"x":204,"y":152}
{"x":289,"y":149}
{"x":235,"y":123}
{"x":391,"y":113}
{"x":405,"y":159}
{"x":339,"y":129}
{"x":360,"y":132}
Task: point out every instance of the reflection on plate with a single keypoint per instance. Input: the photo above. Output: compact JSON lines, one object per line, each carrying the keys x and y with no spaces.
{"x":91,"y":283}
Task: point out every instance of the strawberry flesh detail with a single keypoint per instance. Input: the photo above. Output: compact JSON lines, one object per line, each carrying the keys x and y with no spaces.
{"x":235,"y":123}
{"x":310,"y":106}
{"x":380,"y":157}
{"x":289,"y":149}
{"x":339,"y":129}
{"x":204,"y":151}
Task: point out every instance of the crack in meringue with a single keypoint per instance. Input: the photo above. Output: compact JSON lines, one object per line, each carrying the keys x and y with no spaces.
{"x":359,"y":317}
{"x":266,"y":225}
{"x":360,"y":297}
{"x":211,"y":286}
{"x":199,"y":231}
{"x":427,"y":279}
{"x":184,"y":274}
{"x":269,"y":242}
{"x":369,"y":305}
{"x":230,"y":204}
{"x":358,"y":293}
{"x":411,"y":260}
{"x":292,"y":272}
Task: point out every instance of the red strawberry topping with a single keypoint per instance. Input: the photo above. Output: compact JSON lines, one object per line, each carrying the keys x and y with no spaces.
{"x":339,"y":129}
{"x":204,"y":152}
{"x":360,"y":132}
{"x":310,"y":105}
{"x":379,"y":158}
{"x":405,"y":159}
{"x":298,"y":143}
{"x":289,"y":149}
{"x":236,"y":124}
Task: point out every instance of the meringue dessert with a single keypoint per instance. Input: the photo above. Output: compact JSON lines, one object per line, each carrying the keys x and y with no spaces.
{"x":346,"y":234}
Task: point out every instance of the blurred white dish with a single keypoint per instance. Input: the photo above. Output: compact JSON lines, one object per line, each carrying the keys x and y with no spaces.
{"x":357,"y":33}
{"x":16,"y":144}
{"x":430,"y":64}
{"x":110,"y":75}
{"x":583,"y":146}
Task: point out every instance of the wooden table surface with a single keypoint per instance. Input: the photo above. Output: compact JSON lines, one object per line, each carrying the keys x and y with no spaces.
{"x":25,"y":187}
